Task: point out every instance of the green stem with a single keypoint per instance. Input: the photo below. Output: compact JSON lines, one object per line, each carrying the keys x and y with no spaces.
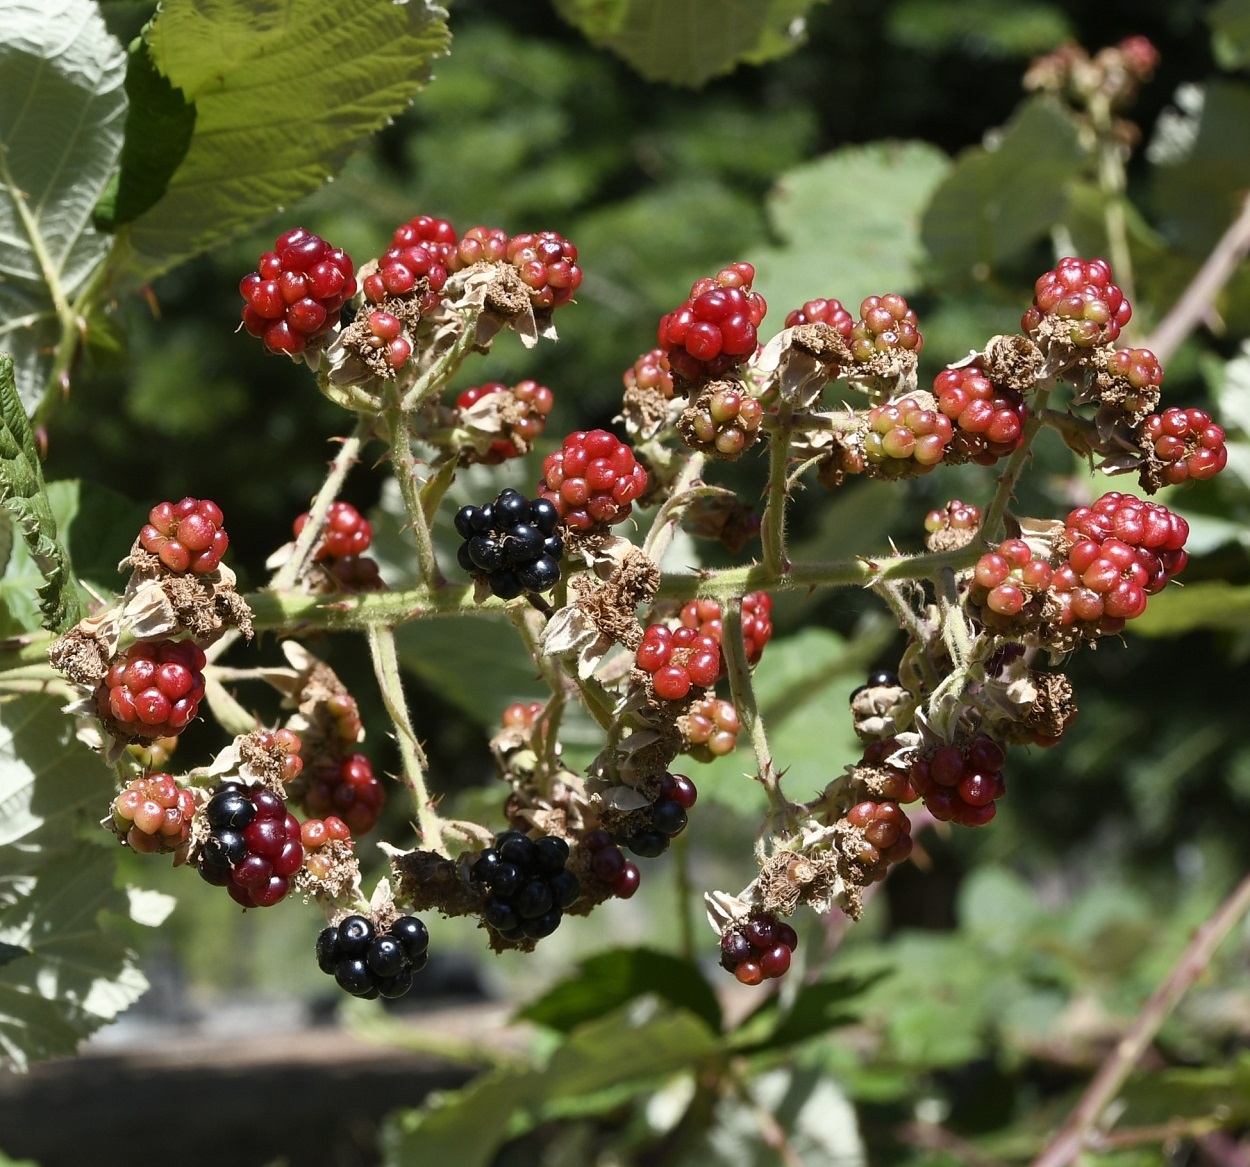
{"x":773,"y":522}
{"x":301,"y":555}
{"x":443,"y":368}
{"x":390,"y":683}
{"x":992,"y":527}
{"x":399,"y":436}
{"x":1112,"y":180}
{"x":661,"y":533}
{"x":684,"y":888}
{"x":891,"y":592}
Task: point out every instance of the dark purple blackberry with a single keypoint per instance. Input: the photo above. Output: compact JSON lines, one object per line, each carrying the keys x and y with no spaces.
{"x":512,"y":544}
{"x":677,"y":794}
{"x":368,"y":963}
{"x":253,"y":846}
{"x":528,"y":883}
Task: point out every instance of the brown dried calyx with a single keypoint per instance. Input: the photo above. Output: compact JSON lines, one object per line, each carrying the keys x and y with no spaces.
{"x":1012,"y":361}
{"x":814,"y":879}
{"x":1054,"y":708}
{"x":158,"y":601}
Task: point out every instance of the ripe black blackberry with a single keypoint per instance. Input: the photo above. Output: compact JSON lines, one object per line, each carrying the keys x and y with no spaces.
{"x":667,"y":818}
{"x":511,"y":543}
{"x":368,"y":963}
{"x":528,"y":885}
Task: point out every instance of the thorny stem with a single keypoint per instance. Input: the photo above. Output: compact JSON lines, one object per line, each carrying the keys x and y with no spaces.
{"x":743,"y":693}
{"x":773,"y":523}
{"x":661,"y":533}
{"x":1196,"y":300}
{"x":349,"y":452}
{"x":399,"y":435}
{"x":991,"y":528}
{"x":1076,"y":1133}
{"x":390,"y":683}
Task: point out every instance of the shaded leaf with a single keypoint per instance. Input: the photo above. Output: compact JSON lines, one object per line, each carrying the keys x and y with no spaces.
{"x":979,"y":28}
{"x":687,"y":42}
{"x":159,"y":125}
{"x":1230,"y":32}
{"x":282,"y":93}
{"x":610,"y":979}
{"x":61,"y":111}
{"x":849,"y":224}
{"x":1213,"y":604}
{"x":816,"y":1009}
{"x":23,"y":493}
{"x":1001,"y":197}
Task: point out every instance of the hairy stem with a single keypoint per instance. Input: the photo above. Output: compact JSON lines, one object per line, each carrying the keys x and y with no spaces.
{"x":443,"y":368}
{"x":399,"y":435}
{"x":1074,"y":1135}
{"x":992,"y":527}
{"x":773,"y":523}
{"x":390,"y":683}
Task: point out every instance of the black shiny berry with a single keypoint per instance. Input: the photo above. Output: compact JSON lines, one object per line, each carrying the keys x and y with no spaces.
{"x":486,"y":552}
{"x":230,"y":808}
{"x":544,"y":515}
{"x":353,"y":976}
{"x":412,"y":934}
{"x":551,"y":854}
{"x":396,"y":985}
{"x":355,"y":934}
{"x":883,"y":677}
{"x":566,"y":888}
{"x":386,"y":956}
{"x":328,"y":952}
{"x":648,"y":844}
{"x":533,"y":899}
{"x":540,"y":576}
{"x":668,"y":817}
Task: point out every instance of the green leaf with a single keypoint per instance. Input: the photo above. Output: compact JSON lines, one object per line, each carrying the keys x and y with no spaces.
{"x":159,"y":125}
{"x":816,"y":1009}
{"x":849,"y":224}
{"x":687,"y":42}
{"x":1003,"y":196}
{"x":978,"y":28}
{"x":612,"y":978}
{"x":1230,"y":32}
{"x":22,"y":491}
{"x":71,"y":977}
{"x":1213,"y":604}
{"x":601,"y":1064}
{"x":283,"y":90}
{"x":61,"y":110}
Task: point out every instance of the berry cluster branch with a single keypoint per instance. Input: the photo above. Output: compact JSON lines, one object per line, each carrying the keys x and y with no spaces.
{"x":1075,"y":1135}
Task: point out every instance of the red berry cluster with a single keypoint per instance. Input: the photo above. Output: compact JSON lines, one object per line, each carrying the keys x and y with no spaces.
{"x":535,"y":402}
{"x":1081,"y":293}
{"x":828,"y":312}
{"x":386,"y":335}
{"x":704,"y":616}
{"x":651,"y":371}
{"x":1141,"y":369}
{"x":253,"y":847}
{"x":283,"y":746}
{"x":547,"y":263}
{"x":724,"y":422}
{"x":154,"y":814}
{"x":316,"y":835}
{"x":988,"y":419}
{"x":480,"y":245}
{"x":886,"y":837}
{"x":346,"y":532}
{"x":955,"y":516}
{"x":1187,"y":442}
{"x":1121,"y":550}
{"x":609,"y":865}
{"x":419,"y":250}
{"x":153,"y":689}
{"x":296,"y":292}
{"x":906,"y":437}
{"x":593,"y":478}
{"x":715,"y":329}
{"x":437,"y":236}
{"x":886,"y":325}
{"x":1006,"y":579}
{"x":678,"y":660}
{"x":961,"y":784}
{"x":758,"y":949}
{"x":186,"y":536}
{"x":349,"y":789}
{"x":711,"y":727}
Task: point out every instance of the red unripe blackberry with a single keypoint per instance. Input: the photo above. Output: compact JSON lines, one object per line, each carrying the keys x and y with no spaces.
{"x":1079,"y":292}
{"x":724,"y":422}
{"x":712,"y":724}
{"x":522,"y":716}
{"x":955,"y":516}
{"x":757,"y":948}
{"x":481,"y":245}
{"x":592,"y":479}
{"x":988,"y":420}
{"x":315,"y":833}
{"x":757,"y":627}
{"x":906,"y":437}
{"x":828,"y":312}
{"x":186,"y":536}
{"x":154,"y":814}
{"x":153,"y":689}
{"x":892,"y":782}
{"x":886,"y":324}
{"x":716,"y":328}
{"x":349,"y":790}
{"x":346,"y":532}
{"x":1187,"y":442}
{"x":678,"y":660}
{"x":1005,"y":580}
{"x":296,"y":292}
{"x":547,"y":263}
{"x":961,"y":783}
{"x":436,"y":235}
{"x":608,"y":864}
{"x":534,"y":403}
{"x":886,"y":837}
{"x":387,"y":336}
{"x":1141,"y":369}
{"x":650,"y":371}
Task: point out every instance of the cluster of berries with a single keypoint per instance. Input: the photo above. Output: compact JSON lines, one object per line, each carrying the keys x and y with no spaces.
{"x":651,"y":371}
{"x":186,"y":536}
{"x":1079,"y":293}
{"x":154,"y":814}
{"x":386,"y":335}
{"x":609,"y":865}
{"x":665,"y":819}
{"x":704,"y":616}
{"x":886,"y":837}
{"x":758,"y":949}
{"x":1141,"y":369}
{"x":528,"y":885}
{"x":988,"y":420}
{"x":153,"y":689}
{"x":592,"y":479}
{"x":828,"y":312}
{"x":346,"y":788}
{"x":317,"y":835}
{"x":724,"y":422}
{"x":886,"y":325}
{"x":954,"y":516}
{"x":421,"y":249}
{"x":512,"y":543}
{"x":547,"y":264}
{"x":371,"y":964}
{"x":1006,"y":579}
{"x":905,"y":437}
{"x":1187,"y":443}
{"x":961,"y":784}
{"x":711,"y":728}
{"x":296,"y":292}
{"x":678,"y":660}
{"x":345,"y":538}
{"x":533,"y":403}
{"x":715,"y":329}
{"x":253,"y":847}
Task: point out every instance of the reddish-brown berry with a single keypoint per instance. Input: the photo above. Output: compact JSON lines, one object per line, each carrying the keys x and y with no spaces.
{"x":186,"y":536}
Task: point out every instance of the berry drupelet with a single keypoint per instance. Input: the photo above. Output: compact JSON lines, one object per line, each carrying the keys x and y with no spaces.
{"x":1080,"y":295}
{"x":527,"y":885}
{"x":666,"y":818}
{"x":370,"y":963}
{"x":346,"y":532}
{"x":512,"y":544}
{"x":154,"y":814}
